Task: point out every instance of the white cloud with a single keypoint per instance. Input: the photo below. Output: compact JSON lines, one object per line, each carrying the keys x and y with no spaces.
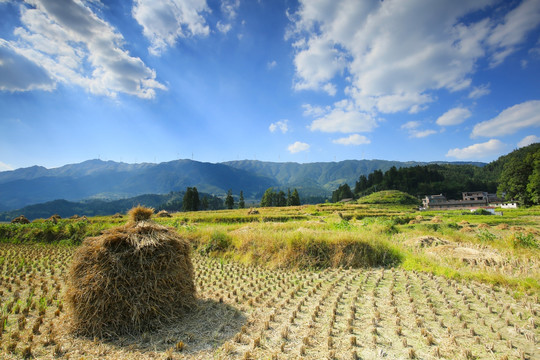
{"x":528,"y":140}
{"x":393,"y":55}
{"x":507,"y":35}
{"x":298,"y":147}
{"x":5,"y":167}
{"x":488,"y":149}
{"x":354,"y":139}
{"x":510,"y":120}
{"x":422,"y":133}
{"x":454,"y":116}
{"x":310,"y":110}
{"x":18,"y":73}
{"x":410,"y":125}
{"x":281,"y":125}
{"x":75,"y":46}
{"x":412,"y":129}
{"x":271,"y":64}
{"x":344,"y":120}
{"x":316,"y":64}
{"x":230,"y":8}
{"x":479,"y":91}
{"x":165,"y":21}
{"x":398,"y":102}
{"x":224,"y":28}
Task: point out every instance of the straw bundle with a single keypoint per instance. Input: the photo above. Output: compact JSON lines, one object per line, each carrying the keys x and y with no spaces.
{"x":21,"y":219}
{"x":163,"y":213}
{"x":130,"y":279}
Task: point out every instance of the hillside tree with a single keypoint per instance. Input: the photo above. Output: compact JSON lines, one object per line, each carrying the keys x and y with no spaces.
{"x":191,"y":201}
{"x":229,"y":200}
{"x":241,"y":201}
{"x":295,"y":198}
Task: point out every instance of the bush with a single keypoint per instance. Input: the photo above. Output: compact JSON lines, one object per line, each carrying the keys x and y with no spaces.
{"x":524,"y":240}
{"x":486,"y":236}
{"x":219,"y":241}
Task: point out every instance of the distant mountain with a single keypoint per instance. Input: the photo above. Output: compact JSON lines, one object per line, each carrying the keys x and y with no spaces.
{"x":109,"y":180}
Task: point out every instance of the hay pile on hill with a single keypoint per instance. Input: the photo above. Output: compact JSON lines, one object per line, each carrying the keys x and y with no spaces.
{"x":130,"y":279}
{"x":163,"y":213}
{"x":21,"y":219}
{"x":54,"y":218}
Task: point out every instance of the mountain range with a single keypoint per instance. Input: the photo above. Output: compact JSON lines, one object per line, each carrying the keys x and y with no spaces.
{"x":109,"y":180}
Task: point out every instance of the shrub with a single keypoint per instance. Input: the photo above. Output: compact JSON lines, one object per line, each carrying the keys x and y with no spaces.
{"x":219,"y":241}
{"x":486,"y":236}
{"x":524,"y":240}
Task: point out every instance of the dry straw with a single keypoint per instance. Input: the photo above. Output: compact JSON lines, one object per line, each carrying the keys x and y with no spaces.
{"x":130,"y":279}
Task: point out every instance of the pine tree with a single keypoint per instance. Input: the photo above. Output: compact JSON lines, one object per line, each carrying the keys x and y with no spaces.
{"x":241,"y":202}
{"x":295,"y":198}
{"x":268,"y":198}
{"x":190,"y":202}
{"x":229,"y":201}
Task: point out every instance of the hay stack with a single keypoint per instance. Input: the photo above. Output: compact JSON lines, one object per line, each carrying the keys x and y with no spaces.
{"x":54,"y":218}
{"x":130,"y":279}
{"x":163,"y":213}
{"x":21,"y":219}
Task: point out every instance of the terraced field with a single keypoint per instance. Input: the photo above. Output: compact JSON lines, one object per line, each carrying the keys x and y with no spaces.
{"x":254,"y":312}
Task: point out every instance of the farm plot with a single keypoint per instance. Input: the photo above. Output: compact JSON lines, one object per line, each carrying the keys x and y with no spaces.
{"x":250,"y":312}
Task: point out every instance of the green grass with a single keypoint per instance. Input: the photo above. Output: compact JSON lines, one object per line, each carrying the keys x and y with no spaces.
{"x":394,"y":197}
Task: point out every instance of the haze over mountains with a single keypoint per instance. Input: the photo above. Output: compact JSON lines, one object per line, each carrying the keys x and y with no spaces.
{"x":109,"y":180}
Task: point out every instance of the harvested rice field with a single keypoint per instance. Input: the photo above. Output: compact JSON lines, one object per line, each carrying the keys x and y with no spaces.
{"x":255,"y":312}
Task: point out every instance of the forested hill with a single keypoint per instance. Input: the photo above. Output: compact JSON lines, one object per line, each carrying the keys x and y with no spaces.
{"x":326,"y":175}
{"x":517,"y":175}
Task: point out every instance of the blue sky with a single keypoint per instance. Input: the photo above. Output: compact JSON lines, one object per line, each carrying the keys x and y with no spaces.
{"x":273,"y":80}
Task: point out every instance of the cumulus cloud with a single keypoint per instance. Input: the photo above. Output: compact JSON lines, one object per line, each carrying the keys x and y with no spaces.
{"x":5,"y":167}
{"x":282,"y":125}
{"x":165,"y":21}
{"x":223,"y":28}
{"x":345,"y":121}
{"x":73,"y":45}
{"x":454,"y":116}
{"x":392,"y":56}
{"x":510,"y":120}
{"x":18,"y":73}
{"x":317,"y":62}
{"x":354,"y":139}
{"x":422,"y":133}
{"x":410,"y":125}
{"x":528,"y":140}
{"x":412,"y":129}
{"x":298,"y":147}
{"x":343,"y":116}
{"x":310,"y":110}
{"x":488,"y":149}
{"x":271,"y":64}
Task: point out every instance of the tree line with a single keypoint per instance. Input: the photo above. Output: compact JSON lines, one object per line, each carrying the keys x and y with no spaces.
{"x":273,"y":198}
{"x":514,"y":176}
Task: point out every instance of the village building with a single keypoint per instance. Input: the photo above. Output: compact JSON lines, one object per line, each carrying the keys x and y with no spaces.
{"x":470,"y":200}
